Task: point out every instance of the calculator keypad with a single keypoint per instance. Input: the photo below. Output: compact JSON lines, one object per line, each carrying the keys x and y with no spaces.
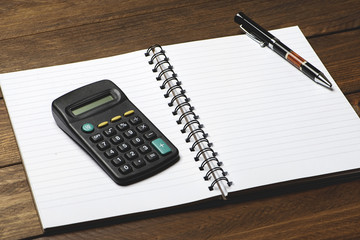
{"x":114,"y":132}
{"x":128,"y":143}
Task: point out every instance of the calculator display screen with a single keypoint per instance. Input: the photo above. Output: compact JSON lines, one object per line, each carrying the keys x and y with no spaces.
{"x":92,"y":105}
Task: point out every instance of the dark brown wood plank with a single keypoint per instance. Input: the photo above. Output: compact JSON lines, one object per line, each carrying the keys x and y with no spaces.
{"x":336,"y":224}
{"x":20,"y":18}
{"x":9,"y":153}
{"x":19,"y":217}
{"x":354,"y":100}
{"x":340,"y":53}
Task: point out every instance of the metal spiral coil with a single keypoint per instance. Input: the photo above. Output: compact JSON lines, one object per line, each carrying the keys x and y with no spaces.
{"x":172,"y":88}
{"x":206,"y":161}
{"x":208,"y":174}
{"x":177,"y":82}
{"x":189,"y":123}
{"x":176,"y":97}
{"x":163,"y":72}
{"x":156,"y":55}
{"x":181,"y":105}
{"x":211,"y":187}
{"x":202,"y":151}
{"x":209,"y":161}
{"x":152,"y":48}
{"x":185,"y":114}
{"x":160,"y":64}
{"x":199,"y":141}
{"x":195,"y":132}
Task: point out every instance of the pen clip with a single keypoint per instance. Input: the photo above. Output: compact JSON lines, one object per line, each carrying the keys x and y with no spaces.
{"x":259,"y":41}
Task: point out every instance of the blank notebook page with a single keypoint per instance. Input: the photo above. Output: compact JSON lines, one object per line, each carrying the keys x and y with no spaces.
{"x":268,"y":121}
{"x":68,"y":186}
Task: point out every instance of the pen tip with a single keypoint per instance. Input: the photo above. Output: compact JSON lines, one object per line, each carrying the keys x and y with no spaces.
{"x":322,"y":80}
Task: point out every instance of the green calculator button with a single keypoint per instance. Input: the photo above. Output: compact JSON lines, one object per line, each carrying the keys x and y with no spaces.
{"x":87,"y":127}
{"x":161,"y":146}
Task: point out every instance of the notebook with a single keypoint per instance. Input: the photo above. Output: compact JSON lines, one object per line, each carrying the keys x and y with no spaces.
{"x":241,"y":117}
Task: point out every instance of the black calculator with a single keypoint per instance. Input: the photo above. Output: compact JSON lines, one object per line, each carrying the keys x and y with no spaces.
{"x":116,"y":134}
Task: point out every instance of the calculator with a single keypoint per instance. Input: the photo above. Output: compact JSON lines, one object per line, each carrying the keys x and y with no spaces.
{"x":114,"y":132}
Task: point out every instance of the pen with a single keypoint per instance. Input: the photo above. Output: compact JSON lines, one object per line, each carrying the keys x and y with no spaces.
{"x":264,"y":38}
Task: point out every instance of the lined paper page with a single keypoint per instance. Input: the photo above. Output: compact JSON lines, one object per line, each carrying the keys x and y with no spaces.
{"x":68,"y":186}
{"x":269,"y":122}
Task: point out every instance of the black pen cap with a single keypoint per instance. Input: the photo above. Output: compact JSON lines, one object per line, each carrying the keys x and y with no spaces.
{"x":252,"y":27}
{"x":239,"y":18}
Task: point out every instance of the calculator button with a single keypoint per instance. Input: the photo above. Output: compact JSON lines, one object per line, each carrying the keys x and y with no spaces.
{"x":150,"y":135}
{"x":103,"y":145}
{"x":116,"y":139}
{"x":128,"y":113}
{"x":131,"y":155}
{"x":135,"y":120}
{"x":87,"y":127}
{"x":125,"y":169}
{"x":96,"y":138}
{"x":110,"y":153}
{"x":116,"y":118}
{"x":151,"y":157}
{"x":123,"y":126}
{"x":144,"y":149}
{"x":118,"y":161}
{"x":110,"y":132}
{"x":123,"y":147}
{"x":142,"y":127}
{"x":103,"y":124}
{"x":129,"y":133}
{"x":138,"y":163}
{"x":161,"y":146}
{"x":137,"y":141}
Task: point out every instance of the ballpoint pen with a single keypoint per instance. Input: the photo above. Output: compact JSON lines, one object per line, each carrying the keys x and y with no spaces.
{"x":264,"y":38}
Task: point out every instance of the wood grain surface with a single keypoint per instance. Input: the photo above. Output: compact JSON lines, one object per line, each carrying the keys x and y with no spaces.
{"x":37,"y":33}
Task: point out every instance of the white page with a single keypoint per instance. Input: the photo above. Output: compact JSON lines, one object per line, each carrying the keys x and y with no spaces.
{"x":68,"y":186}
{"x":269,"y":122}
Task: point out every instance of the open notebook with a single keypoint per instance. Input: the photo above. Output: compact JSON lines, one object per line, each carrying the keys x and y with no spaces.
{"x":267,"y":122}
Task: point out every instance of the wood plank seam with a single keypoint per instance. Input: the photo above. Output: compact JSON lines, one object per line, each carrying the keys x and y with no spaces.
{"x":333,"y":32}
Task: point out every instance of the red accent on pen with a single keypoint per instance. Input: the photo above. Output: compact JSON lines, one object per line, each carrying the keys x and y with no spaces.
{"x":295,"y":59}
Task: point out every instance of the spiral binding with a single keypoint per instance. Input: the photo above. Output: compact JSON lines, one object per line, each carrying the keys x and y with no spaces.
{"x":205,"y":154}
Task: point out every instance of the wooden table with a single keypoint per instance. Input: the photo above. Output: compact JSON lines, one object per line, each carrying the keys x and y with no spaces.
{"x":38,"y":33}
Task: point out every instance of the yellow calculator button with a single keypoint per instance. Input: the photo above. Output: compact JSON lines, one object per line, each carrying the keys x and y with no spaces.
{"x":103,"y":124}
{"x":128,"y":113}
{"x":114,"y":119}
